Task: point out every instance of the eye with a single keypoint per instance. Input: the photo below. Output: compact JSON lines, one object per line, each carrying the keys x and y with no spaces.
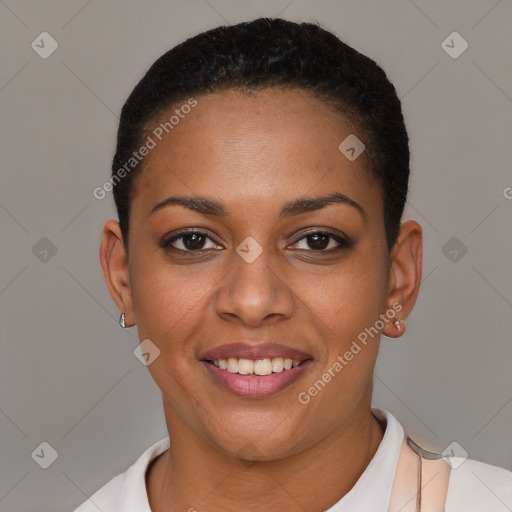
{"x":191,"y":241}
{"x":322,"y":241}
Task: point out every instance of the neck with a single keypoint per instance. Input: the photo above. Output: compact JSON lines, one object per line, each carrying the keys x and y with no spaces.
{"x":314,"y":479}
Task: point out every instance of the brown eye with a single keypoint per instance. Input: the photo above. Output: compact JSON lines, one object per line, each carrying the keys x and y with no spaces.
{"x":318,"y":241}
{"x":322,"y":242}
{"x":192,"y":241}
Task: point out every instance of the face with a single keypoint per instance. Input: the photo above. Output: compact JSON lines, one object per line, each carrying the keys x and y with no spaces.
{"x":273,"y":248}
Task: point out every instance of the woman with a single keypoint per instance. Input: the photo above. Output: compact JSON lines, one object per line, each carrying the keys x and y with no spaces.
{"x":260,"y":177}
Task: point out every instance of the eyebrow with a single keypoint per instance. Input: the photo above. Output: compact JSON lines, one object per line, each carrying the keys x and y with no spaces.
{"x":309,"y":204}
{"x":296,"y":207}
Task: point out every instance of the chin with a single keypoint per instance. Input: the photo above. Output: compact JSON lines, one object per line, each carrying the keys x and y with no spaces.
{"x":252,"y":438}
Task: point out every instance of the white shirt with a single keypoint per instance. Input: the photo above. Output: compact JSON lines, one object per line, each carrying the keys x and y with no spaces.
{"x":473,"y":486}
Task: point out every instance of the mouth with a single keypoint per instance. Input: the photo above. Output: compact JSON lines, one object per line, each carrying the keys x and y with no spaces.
{"x":255,"y":370}
{"x":258,"y":367}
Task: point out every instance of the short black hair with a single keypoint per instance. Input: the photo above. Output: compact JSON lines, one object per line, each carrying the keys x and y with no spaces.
{"x":265,"y":53}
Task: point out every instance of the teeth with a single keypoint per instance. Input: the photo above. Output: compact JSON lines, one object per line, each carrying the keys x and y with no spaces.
{"x":232,"y":365}
{"x":258,"y":367}
{"x":277,"y":364}
{"x":245,"y":366}
{"x":263,"y":367}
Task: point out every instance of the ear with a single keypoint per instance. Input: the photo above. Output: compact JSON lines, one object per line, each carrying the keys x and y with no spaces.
{"x":405,"y":276}
{"x":114,"y":262}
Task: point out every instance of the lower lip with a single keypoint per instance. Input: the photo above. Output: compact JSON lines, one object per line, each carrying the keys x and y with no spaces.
{"x":257,"y":386}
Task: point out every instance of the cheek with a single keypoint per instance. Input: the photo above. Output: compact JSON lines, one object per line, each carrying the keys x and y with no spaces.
{"x":166,"y":298}
{"x":348,"y":299}
{"x":169,"y":302}
{"x":343,"y":305}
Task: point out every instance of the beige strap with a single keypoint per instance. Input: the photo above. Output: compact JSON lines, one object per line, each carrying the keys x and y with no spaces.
{"x":420,"y":485}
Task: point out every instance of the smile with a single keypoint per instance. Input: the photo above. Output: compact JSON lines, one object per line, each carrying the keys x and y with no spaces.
{"x":261,"y":381}
{"x":255,"y":368}
{"x":259,"y":367}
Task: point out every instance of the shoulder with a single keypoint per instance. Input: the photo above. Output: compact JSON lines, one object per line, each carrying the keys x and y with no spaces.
{"x":105,"y":499}
{"x":476,"y":486}
{"x":126,"y":491}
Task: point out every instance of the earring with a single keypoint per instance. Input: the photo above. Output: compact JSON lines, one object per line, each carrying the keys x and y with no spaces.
{"x":397,"y":324}
{"x":122,"y":323}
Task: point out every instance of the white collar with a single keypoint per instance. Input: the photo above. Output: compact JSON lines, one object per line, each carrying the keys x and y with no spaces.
{"x":373,"y":489}
{"x":371,"y":492}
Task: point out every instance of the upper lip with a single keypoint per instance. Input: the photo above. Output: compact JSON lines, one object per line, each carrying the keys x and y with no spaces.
{"x":254,"y":350}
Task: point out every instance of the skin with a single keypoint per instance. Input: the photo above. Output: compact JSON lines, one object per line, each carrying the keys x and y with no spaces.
{"x":253,"y":153}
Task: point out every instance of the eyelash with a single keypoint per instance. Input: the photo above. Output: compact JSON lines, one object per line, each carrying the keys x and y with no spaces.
{"x":343,"y":242}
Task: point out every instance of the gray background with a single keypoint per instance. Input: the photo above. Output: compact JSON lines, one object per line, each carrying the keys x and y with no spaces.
{"x":68,"y":373}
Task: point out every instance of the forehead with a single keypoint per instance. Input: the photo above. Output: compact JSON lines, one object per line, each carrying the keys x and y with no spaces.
{"x":249,"y":145}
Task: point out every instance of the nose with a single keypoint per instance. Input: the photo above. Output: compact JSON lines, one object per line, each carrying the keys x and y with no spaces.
{"x":254,"y":293}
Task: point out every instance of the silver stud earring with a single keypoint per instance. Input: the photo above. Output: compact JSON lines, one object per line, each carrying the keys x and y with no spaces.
{"x":397,"y":324}
{"x":122,"y":323}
